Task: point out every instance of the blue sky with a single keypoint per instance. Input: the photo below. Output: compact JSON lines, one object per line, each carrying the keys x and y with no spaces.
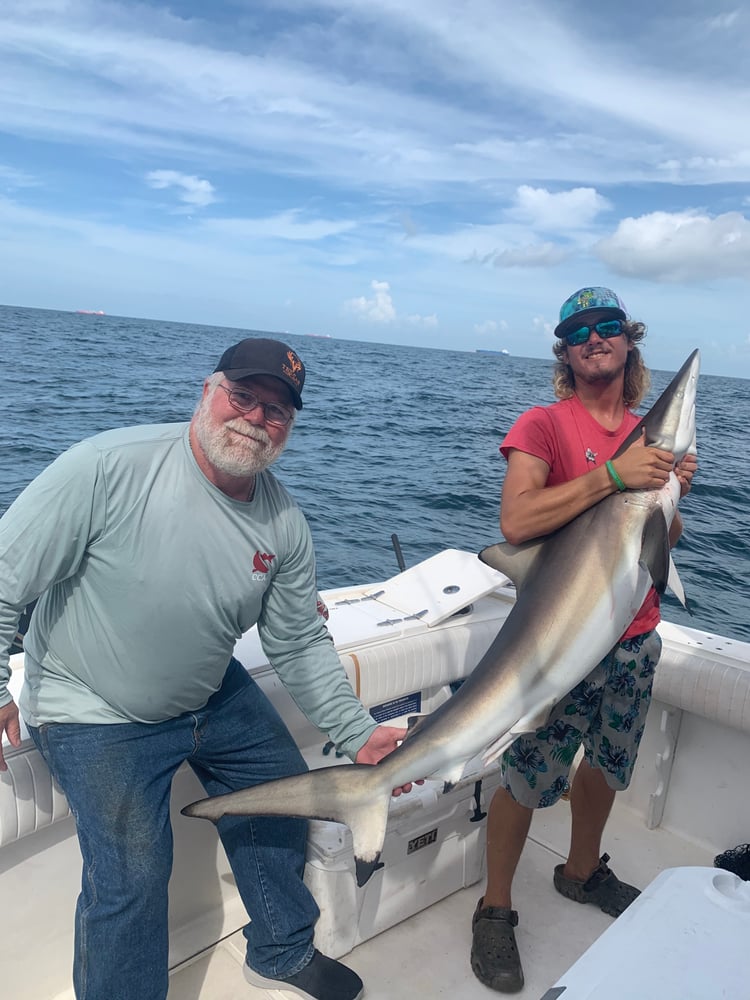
{"x":426,"y":172}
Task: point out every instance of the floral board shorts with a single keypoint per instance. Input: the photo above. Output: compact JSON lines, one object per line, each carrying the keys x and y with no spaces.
{"x":606,"y":713}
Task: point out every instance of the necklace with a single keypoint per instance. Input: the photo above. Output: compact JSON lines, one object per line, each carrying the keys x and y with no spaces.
{"x":589,"y":454}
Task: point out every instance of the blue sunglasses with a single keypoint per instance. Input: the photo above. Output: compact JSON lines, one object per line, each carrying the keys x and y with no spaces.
{"x":608,"y":328}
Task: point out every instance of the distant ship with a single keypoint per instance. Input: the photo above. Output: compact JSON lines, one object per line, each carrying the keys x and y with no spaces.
{"x":481,"y":350}
{"x":91,"y":312}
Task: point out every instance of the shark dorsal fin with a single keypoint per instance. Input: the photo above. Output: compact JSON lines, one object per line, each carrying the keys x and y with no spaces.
{"x":515,"y":561}
{"x":414,"y":723}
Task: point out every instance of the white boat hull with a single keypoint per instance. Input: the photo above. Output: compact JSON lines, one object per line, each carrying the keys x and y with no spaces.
{"x":689,"y":789}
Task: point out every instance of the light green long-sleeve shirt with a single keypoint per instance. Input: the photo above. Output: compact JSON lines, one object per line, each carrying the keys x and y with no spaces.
{"x":148,"y":574}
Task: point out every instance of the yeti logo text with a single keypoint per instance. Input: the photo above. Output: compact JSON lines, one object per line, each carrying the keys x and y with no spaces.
{"x":261,"y":564}
{"x":422,"y":841}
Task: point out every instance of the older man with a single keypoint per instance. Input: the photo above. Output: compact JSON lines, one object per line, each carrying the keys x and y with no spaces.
{"x":151,"y":550}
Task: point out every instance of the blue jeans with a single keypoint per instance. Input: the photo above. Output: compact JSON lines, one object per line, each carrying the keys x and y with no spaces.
{"x":117,"y":780}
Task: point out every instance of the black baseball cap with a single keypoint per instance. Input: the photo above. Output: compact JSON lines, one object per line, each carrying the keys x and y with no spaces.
{"x":263,"y":356}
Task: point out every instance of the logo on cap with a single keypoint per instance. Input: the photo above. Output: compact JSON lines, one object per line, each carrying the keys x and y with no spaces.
{"x":591,"y":298}
{"x":294,"y":367}
{"x":586,"y":300}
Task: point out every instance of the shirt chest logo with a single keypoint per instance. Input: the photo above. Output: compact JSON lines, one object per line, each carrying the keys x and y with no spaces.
{"x":262,"y":564}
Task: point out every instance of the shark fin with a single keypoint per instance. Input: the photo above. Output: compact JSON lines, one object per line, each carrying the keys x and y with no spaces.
{"x":494,"y":750}
{"x":366,"y":868}
{"x":515,"y":561}
{"x":675,"y":584}
{"x":451,"y":774}
{"x":528,"y":724}
{"x":414,"y":723}
{"x":655,"y":554}
{"x":533,"y":721}
{"x":357,"y":795}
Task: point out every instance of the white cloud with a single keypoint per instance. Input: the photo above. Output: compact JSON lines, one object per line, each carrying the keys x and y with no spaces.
{"x":699,"y":169}
{"x":490,"y":326}
{"x":381,"y":309}
{"x":12,"y":178}
{"x":541,"y":325}
{"x":347,"y":139}
{"x":679,"y":246}
{"x":194,"y":191}
{"x":531,"y":255}
{"x":724,"y":21}
{"x":378,"y":309}
{"x":648,"y":88}
{"x":501,"y":245}
{"x":561,"y":211}
{"x":141,"y":77}
{"x":287,"y":225}
{"x":430,"y":322}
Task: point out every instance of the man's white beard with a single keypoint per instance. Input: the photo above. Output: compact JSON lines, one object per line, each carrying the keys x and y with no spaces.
{"x":235,"y":448}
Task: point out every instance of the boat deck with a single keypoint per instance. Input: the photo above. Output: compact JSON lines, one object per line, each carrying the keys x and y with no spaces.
{"x":689,"y":785}
{"x":427,"y":955}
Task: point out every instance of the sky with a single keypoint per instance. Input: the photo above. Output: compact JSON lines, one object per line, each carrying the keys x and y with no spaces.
{"x":439,"y":173}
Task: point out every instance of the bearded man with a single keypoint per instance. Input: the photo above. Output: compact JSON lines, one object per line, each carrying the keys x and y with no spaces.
{"x":151,"y":550}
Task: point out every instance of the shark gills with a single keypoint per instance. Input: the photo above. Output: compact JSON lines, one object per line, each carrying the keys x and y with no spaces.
{"x":578,"y":589}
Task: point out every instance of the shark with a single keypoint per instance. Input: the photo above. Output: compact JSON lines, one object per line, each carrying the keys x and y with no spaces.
{"x":577,"y":590}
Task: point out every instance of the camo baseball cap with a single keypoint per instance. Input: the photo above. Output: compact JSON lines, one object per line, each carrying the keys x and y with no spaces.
{"x":574,"y":309}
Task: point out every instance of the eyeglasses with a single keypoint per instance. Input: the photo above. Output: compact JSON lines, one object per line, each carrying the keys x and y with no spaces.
{"x":245,"y":401}
{"x":608,"y":328}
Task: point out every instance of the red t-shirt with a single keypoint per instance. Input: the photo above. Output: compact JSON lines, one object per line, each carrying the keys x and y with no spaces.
{"x":572,"y":442}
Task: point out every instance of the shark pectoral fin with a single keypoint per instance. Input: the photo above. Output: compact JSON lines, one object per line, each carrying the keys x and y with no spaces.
{"x":528,"y":724}
{"x":452,"y":774}
{"x":533,"y":721}
{"x":494,"y":750}
{"x":368,"y":825}
{"x":675,"y":584}
{"x":515,"y":561}
{"x":655,"y":554}
{"x":198,"y":810}
{"x":365,"y":870}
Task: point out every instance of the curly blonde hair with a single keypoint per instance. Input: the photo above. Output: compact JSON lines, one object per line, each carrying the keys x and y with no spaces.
{"x":637,"y":377}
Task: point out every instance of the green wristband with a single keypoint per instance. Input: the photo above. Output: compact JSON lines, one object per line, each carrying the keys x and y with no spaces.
{"x":615,"y":477}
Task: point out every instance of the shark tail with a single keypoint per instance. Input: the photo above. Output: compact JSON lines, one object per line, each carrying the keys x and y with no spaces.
{"x":357,"y":795}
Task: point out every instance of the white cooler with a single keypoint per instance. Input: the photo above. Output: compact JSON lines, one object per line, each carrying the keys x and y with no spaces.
{"x":686,"y":937}
{"x":434,"y":846}
{"x":404,"y":644}
{"x":434,"y":843}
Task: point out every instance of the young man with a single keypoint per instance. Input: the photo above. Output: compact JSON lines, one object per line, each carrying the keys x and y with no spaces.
{"x":151,"y":550}
{"x":556,"y":469}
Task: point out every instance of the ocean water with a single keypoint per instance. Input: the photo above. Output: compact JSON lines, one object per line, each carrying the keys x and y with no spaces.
{"x":392,"y":439}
